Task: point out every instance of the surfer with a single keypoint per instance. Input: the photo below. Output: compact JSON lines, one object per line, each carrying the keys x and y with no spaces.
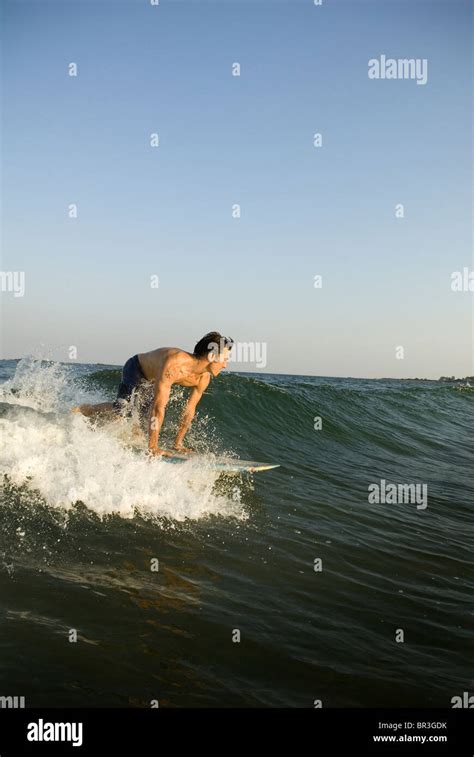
{"x":166,"y":366}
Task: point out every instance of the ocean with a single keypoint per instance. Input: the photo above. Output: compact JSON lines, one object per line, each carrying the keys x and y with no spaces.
{"x":129,"y":582}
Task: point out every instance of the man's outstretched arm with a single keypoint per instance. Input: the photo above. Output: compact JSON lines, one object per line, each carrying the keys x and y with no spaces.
{"x":157,"y":413}
{"x":189,"y":411}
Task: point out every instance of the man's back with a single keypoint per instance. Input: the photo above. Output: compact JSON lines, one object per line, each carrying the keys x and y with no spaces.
{"x":177,"y":363}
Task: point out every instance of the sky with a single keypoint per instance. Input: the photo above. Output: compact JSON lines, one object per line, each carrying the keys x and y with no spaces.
{"x":382,"y":210}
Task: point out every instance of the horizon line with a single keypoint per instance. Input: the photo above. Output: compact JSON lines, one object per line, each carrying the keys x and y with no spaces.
{"x":260,"y":373}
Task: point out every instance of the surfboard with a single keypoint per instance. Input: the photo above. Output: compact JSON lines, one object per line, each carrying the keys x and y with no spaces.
{"x":222,"y":464}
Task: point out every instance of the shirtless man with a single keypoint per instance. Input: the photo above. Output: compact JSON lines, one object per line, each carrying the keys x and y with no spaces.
{"x":166,"y":366}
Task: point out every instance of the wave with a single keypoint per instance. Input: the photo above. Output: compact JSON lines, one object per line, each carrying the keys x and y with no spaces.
{"x":364,"y":426}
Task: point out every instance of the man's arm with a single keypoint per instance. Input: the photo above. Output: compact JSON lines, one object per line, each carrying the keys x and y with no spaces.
{"x":157,"y":413}
{"x":189,"y":411}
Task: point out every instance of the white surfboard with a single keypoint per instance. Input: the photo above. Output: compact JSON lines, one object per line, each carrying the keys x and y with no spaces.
{"x":222,"y":464}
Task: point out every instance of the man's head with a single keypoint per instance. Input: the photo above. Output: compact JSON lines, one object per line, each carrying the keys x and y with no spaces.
{"x":214,"y":348}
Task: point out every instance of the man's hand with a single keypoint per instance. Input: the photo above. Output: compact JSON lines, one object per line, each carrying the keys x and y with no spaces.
{"x":157,"y":452}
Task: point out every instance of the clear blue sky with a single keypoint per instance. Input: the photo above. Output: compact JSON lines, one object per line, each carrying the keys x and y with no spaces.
{"x":247,"y":140}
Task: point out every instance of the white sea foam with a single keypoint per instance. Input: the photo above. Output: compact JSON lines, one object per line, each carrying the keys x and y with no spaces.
{"x":45,"y":386}
{"x":68,"y":460}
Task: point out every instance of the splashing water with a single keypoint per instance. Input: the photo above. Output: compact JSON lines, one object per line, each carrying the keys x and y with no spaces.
{"x":68,"y":460}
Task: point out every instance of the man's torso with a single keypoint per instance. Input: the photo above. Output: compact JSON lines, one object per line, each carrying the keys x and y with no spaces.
{"x":176,"y":362}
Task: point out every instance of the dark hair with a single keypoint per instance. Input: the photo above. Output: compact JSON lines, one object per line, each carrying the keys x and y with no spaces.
{"x":209,"y":341}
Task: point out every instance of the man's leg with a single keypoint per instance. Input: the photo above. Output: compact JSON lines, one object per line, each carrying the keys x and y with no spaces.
{"x":131,"y":372}
{"x":90,"y":411}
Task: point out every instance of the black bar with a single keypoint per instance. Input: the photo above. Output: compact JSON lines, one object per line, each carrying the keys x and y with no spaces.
{"x":324,"y":731}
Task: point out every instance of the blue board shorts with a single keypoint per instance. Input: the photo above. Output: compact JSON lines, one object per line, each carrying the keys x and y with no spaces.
{"x":132,"y":378}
